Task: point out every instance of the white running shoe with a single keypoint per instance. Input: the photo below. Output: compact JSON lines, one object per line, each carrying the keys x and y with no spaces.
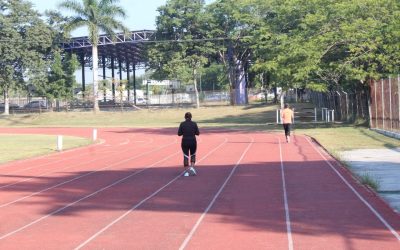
{"x":192,"y":171}
{"x":186,"y":174}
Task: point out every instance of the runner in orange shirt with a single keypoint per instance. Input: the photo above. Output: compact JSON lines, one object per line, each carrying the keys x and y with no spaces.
{"x":287,"y":119}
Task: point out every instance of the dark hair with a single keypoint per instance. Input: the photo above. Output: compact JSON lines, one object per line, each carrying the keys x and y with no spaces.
{"x":286,"y":105}
{"x":188,"y":116}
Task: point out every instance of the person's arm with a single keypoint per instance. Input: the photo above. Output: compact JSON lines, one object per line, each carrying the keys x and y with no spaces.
{"x":180,"y":130}
{"x":196,"y":132}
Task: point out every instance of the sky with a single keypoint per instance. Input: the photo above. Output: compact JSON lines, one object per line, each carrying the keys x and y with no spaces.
{"x":141,"y":13}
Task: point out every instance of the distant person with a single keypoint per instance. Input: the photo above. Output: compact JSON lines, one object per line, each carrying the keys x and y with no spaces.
{"x":287,"y":119}
{"x":188,"y":130}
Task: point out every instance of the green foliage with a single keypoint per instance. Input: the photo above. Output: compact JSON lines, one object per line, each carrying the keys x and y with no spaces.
{"x":368,"y":180}
{"x":214,"y":77}
{"x":156,"y":90}
{"x":96,"y":15}
{"x":61,"y":78}
{"x":24,"y":44}
{"x":318,"y":44}
{"x":180,"y":24}
{"x":326,"y":42}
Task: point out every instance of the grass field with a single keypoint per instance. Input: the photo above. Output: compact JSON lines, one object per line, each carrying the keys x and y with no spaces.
{"x":251,"y":117}
{"x":14,"y":147}
{"x":334,"y":137}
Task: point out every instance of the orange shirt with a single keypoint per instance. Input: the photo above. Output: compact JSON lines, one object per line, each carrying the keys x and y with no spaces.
{"x":287,"y":116}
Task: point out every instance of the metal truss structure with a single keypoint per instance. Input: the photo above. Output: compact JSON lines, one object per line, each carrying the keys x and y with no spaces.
{"x":126,"y":49}
{"x":124,"y":52}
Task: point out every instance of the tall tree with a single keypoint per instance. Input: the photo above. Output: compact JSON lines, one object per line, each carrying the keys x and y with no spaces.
{"x":96,"y":15}
{"x":231,"y":21}
{"x":181,"y":25}
{"x":25,"y":42}
{"x":61,"y":78}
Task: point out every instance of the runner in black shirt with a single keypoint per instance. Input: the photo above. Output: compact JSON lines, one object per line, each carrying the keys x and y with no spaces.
{"x":188,"y":130}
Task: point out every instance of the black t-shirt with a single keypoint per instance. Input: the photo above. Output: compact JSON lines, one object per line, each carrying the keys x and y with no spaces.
{"x":188,"y":129}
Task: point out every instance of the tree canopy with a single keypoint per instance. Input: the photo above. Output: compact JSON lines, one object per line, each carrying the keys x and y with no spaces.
{"x":25,"y":42}
{"x":314,"y":44}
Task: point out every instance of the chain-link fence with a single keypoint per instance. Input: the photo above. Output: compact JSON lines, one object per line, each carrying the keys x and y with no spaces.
{"x":346,"y":106}
{"x":20,"y":104}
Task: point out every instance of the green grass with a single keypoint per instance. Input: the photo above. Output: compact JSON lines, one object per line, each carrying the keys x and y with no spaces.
{"x":368,"y":180}
{"x":343,"y":138}
{"x":255,"y":117}
{"x":15,"y":147}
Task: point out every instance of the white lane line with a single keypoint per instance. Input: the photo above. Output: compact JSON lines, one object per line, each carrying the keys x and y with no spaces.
{"x":87,"y":174}
{"x":190,"y":235}
{"x":287,"y":214}
{"x":125,"y":142}
{"x":84,"y":198}
{"x":144,"y":200}
{"x":376,"y":213}
{"x":73,"y":166}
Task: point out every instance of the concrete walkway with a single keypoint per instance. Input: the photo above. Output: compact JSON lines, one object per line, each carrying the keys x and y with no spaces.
{"x":382,"y":165}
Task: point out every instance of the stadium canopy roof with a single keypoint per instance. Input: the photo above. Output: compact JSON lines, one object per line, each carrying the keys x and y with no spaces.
{"x":125,"y":48}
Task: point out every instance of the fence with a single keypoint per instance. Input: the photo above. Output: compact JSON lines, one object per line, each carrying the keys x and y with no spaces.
{"x":384,"y":104}
{"x":347,"y":106}
{"x":22,"y":104}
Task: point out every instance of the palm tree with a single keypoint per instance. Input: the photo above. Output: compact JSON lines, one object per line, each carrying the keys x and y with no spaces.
{"x":96,"y":15}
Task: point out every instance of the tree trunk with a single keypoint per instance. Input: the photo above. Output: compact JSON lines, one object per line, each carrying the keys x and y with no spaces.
{"x":240,"y":84}
{"x":195,"y":88}
{"x":283,"y":99}
{"x":231,"y":86}
{"x":6,"y":101}
{"x":95,"y":62}
{"x":275,"y":94}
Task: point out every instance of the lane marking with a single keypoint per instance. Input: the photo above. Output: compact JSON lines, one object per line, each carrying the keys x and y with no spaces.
{"x":376,"y":213}
{"x":287,"y":214}
{"x":74,"y":166}
{"x":143,"y":201}
{"x":87,"y":174}
{"x":55,"y":157}
{"x":190,"y":235}
{"x":127,"y":141}
{"x":83,"y":198}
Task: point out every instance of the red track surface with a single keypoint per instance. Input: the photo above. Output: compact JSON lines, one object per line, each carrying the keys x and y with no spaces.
{"x":253,"y":191}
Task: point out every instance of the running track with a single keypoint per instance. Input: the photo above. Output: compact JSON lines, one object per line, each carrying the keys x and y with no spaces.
{"x":253,"y":191}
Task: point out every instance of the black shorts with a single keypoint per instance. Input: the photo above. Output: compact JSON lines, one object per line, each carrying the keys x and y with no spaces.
{"x":286,"y":127}
{"x":189,"y":148}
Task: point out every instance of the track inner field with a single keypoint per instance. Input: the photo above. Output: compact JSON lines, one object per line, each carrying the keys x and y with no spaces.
{"x":253,"y":191}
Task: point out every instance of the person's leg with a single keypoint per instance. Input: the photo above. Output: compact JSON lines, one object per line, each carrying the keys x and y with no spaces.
{"x":287,"y":133}
{"x":185,"y":150}
{"x":192,"y":149}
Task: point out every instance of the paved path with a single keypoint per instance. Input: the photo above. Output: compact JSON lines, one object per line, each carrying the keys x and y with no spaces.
{"x":383,"y":165}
